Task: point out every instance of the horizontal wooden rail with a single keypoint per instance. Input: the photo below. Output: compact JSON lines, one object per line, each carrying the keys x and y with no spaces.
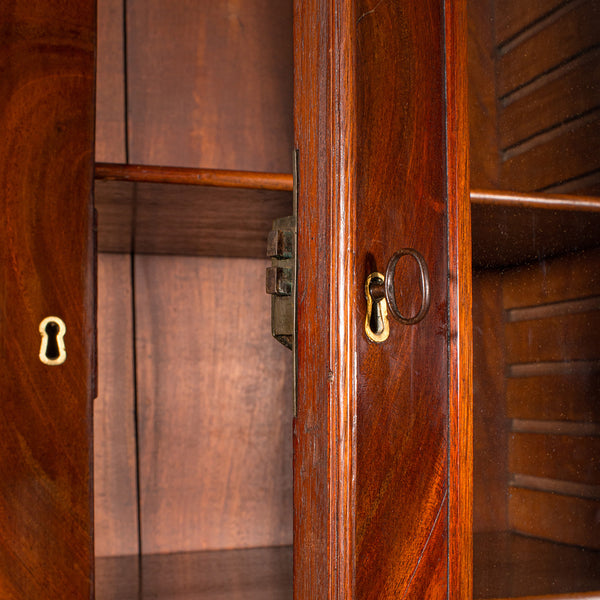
{"x":187,"y":176}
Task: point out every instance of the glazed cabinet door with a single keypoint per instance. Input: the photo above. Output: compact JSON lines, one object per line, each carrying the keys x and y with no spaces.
{"x":382,"y":486}
{"x":46,"y":299}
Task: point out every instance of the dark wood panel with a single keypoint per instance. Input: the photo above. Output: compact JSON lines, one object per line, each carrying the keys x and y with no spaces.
{"x":400,"y":132}
{"x":562,"y":457}
{"x":586,"y":184}
{"x":514,"y":566}
{"x":567,"y":152}
{"x":215,"y":407}
{"x":564,"y":519}
{"x":164,"y":218}
{"x":115,"y":469}
{"x":570,"y":31}
{"x":513,"y":16}
{"x":568,"y":277}
{"x":46,"y":269}
{"x":257,"y":574}
{"x":507,"y":236}
{"x":572,"y":90}
{"x":484,"y":155}
{"x":490,"y":425}
{"x":210,"y":84}
{"x":110,"y":83}
{"x":564,"y":338}
{"x":572,"y":397}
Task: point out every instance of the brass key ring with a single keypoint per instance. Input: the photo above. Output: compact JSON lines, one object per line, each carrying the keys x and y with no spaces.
{"x":380,"y":288}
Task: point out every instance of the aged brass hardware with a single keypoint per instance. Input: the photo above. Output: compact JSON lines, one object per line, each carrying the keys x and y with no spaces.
{"x":377,"y":325}
{"x":379,"y":288}
{"x":52,"y":349}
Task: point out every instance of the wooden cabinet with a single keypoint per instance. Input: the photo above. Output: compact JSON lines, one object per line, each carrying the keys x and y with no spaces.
{"x":391,"y":480}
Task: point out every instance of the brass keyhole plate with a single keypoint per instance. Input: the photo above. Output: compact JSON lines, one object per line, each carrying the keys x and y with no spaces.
{"x":52,"y":349}
{"x":377,"y":324}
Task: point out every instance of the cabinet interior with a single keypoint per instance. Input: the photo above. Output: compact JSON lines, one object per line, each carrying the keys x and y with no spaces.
{"x":534,"y":103}
{"x":193,"y":419}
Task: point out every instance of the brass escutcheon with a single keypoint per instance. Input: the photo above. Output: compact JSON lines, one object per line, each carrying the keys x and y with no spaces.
{"x":52,"y":350}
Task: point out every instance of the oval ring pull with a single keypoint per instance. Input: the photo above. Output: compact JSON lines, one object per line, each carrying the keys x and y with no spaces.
{"x":386,"y":289}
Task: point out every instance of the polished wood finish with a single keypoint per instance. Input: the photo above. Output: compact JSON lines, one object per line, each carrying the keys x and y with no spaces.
{"x":207,"y":177}
{"x":515,"y":566}
{"x":46,"y":268}
{"x":210,"y":84}
{"x":174,"y":218}
{"x":460,"y":317}
{"x":535,"y":200}
{"x":324,"y":428}
{"x":215,"y":407}
{"x":398,"y":413}
{"x":257,"y":574}
{"x":115,"y":460}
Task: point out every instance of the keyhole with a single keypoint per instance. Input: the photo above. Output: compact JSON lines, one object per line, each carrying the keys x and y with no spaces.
{"x":52,"y":350}
{"x":377,"y":326}
{"x":376,"y":321}
{"x":52,"y":330}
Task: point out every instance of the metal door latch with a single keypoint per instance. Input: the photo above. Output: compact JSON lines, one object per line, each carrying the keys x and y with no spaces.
{"x":281,"y":279}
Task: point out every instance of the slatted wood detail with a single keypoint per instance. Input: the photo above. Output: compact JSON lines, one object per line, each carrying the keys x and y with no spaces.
{"x":556,"y":517}
{"x":545,"y":45}
{"x":545,"y":71}
{"x":552,"y":319}
{"x":562,"y":457}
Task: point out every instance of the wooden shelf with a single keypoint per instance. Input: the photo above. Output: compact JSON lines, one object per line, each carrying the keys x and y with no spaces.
{"x":256,"y":574}
{"x":164,"y":210}
{"x":512,"y":228}
{"x":170,"y":210}
{"x":507,"y":565}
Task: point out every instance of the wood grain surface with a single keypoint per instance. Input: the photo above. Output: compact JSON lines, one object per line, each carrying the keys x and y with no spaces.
{"x":257,"y":574}
{"x":210,"y":84}
{"x":564,"y":34}
{"x":169,"y":218}
{"x":490,"y":423}
{"x":402,"y":406}
{"x":515,"y":566}
{"x":46,"y":269}
{"x":556,"y":517}
{"x":514,"y":16}
{"x":571,"y":90}
{"x":215,"y":407}
{"x":111,"y":143}
{"x":115,"y":461}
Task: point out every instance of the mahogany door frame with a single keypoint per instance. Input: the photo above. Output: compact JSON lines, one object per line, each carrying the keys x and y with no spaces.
{"x":331,"y":304}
